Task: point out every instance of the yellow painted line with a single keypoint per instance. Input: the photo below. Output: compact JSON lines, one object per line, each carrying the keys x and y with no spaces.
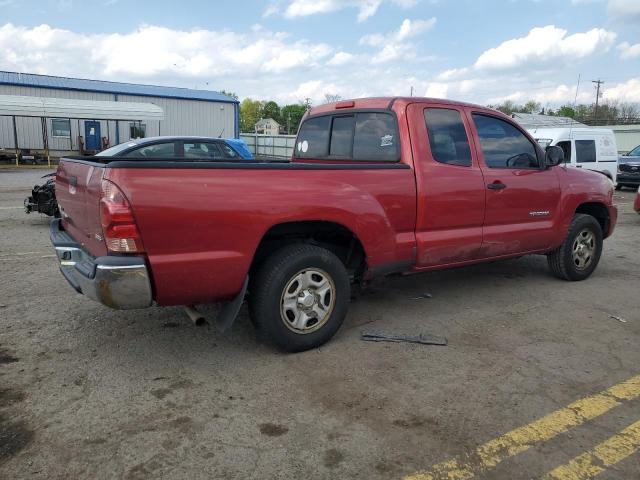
{"x":604,"y":455}
{"x":516,"y":441}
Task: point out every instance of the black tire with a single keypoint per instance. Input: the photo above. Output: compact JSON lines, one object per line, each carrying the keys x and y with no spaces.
{"x":561,"y":261}
{"x":619,"y":187}
{"x":267,"y":290}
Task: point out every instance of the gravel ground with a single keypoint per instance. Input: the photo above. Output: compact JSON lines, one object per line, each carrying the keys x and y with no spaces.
{"x":88,"y":392}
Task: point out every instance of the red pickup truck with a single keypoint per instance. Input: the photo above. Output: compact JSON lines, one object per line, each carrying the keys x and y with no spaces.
{"x":375,"y":186}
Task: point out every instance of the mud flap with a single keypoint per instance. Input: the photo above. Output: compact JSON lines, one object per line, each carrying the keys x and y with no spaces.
{"x":229,"y":311}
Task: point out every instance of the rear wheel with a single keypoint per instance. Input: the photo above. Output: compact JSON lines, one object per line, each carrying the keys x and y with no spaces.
{"x":299,"y":297}
{"x":579,"y":254}
{"x":619,"y":187}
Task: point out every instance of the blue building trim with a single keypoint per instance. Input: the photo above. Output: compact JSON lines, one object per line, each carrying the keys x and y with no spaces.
{"x":237,"y":115}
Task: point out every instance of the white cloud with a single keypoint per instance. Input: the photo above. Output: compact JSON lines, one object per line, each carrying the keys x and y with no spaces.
{"x":394,"y":45}
{"x":544,"y":46}
{"x":627,"y":10}
{"x":437,"y":90}
{"x":628,"y":91}
{"x":366,"y":8}
{"x":340,"y":58}
{"x":151,"y":52}
{"x":629,"y":51}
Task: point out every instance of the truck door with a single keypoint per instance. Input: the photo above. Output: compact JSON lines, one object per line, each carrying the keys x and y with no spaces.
{"x":450,"y":186}
{"x":522,"y":196}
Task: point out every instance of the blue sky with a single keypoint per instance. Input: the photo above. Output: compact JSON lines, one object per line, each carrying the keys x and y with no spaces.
{"x":479,"y":51}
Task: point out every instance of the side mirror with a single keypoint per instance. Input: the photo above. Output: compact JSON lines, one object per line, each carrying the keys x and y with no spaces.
{"x":554,"y":156}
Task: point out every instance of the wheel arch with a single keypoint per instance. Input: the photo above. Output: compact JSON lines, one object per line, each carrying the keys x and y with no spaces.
{"x":341,"y":240}
{"x":599,"y":211}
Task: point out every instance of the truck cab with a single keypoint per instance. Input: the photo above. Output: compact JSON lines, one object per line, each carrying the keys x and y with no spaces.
{"x":588,"y":148}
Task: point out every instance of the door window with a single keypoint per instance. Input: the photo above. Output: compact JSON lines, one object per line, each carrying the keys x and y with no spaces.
{"x":566,"y":148}
{"x":503,"y":145}
{"x":585,"y":151}
{"x":157,"y":150}
{"x":202,"y":151}
{"x":447,"y":137}
{"x":228,"y":152}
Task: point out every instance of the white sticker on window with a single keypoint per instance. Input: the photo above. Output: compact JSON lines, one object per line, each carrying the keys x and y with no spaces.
{"x":299,"y":146}
{"x":305,"y":146}
{"x":386,"y":141}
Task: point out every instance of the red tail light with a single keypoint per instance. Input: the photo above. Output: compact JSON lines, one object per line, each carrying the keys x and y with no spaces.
{"x":118,"y":224}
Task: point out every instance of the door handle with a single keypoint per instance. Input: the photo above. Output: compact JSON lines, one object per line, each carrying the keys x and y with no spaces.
{"x":497,"y":185}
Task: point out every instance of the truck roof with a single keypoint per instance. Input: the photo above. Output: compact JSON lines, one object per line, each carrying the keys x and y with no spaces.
{"x":387,"y":102}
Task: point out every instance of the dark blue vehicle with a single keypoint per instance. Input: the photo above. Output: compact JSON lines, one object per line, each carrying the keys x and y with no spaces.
{"x":188,"y":148}
{"x":629,"y":169}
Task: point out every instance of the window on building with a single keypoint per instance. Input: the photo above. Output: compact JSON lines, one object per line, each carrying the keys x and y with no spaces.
{"x":585,"y":151}
{"x":61,"y":127}
{"x":137,"y":130}
{"x":447,"y":137}
{"x":503,"y":145}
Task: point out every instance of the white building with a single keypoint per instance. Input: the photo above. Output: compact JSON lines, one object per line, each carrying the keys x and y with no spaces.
{"x":267,"y":126}
{"x":93,"y":116}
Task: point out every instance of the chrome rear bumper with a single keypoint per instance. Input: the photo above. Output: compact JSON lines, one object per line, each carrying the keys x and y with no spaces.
{"x":117,"y":282}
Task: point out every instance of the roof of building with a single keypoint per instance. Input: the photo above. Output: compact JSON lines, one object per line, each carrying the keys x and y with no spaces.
{"x":101,"y":86}
{"x":266,"y":121}
{"x":534,"y":120}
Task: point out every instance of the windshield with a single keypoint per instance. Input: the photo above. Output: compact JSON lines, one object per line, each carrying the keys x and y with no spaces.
{"x":114,"y":151}
{"x":544,"y":142}
{"x":635,"y":152}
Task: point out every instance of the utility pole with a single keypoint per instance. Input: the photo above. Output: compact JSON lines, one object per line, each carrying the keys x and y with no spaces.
{"x":411,"y":91}
{"x":307,"y":103}
{"x":595,"y":110}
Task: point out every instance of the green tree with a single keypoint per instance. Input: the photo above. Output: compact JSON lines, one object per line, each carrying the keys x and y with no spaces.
{"x":291,"y":117}
{"x":271,"y":110}
{"x":250,"y":111}
{"x":530,"y":107}
{"x":566,"y":111}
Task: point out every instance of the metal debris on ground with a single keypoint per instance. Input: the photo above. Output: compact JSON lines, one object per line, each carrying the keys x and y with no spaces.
{"x":618,"y":318}
{"x":423,"y":338}
{"x":422,"y":296}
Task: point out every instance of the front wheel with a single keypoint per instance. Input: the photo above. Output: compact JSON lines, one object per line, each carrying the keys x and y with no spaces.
{"x":299,"y":297}
{"x":579,"y":254}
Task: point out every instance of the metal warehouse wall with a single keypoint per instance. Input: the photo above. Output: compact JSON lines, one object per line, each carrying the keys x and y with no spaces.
{"x":182,"y":117}
{"x":627,"y":136}
{"x":186,"y":117}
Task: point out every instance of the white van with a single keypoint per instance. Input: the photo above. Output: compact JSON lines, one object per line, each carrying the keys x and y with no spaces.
{"x":591,"y":148}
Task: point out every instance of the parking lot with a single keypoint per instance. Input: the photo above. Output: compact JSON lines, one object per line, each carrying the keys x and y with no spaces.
{"x":89,"y":392}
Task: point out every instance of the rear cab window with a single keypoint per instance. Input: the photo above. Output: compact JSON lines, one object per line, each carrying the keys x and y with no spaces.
{"x":364,"y":136}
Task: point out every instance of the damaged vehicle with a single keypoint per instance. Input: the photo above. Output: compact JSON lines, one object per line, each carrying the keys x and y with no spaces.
{"x":43,"y":198}
{"x":375,"y":187}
